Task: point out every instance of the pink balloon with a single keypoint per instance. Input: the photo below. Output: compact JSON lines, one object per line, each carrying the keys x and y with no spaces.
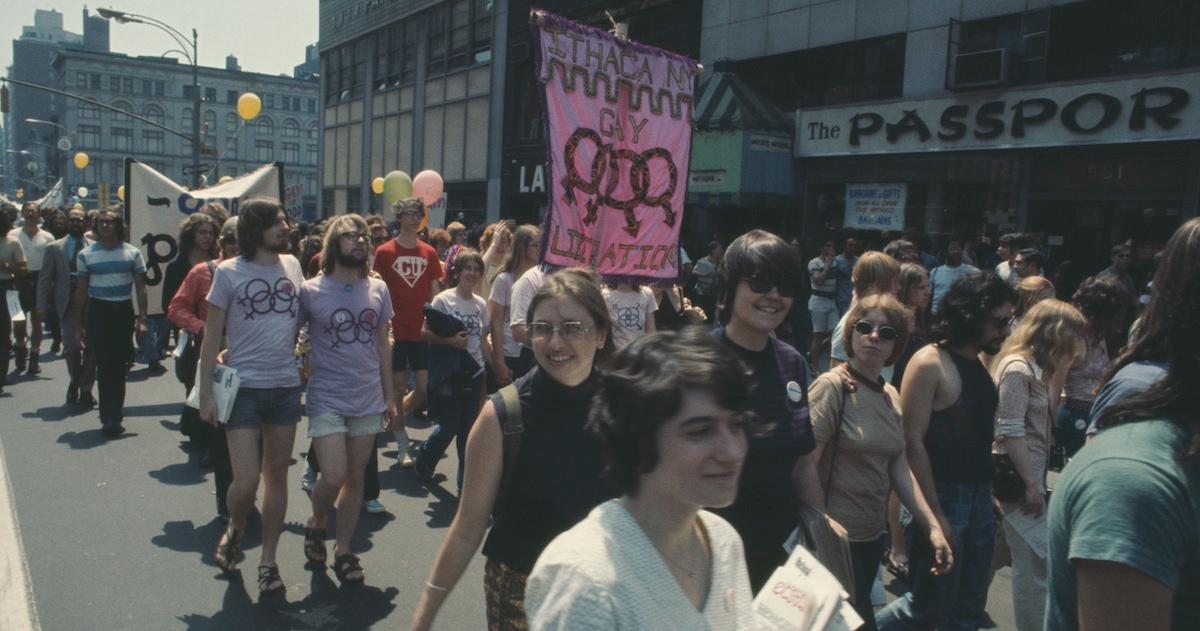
{"x":428,"y":186}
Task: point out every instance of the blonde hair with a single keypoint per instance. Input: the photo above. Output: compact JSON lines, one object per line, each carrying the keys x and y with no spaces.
{"x":332,"y":247}
{"x":875,"y":273}
{"x":898,"y":316}
{"x":1029,"y":293}
{"x":1052,"y":333}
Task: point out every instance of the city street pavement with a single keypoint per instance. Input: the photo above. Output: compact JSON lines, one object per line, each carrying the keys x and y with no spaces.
{"x":119,"y":534}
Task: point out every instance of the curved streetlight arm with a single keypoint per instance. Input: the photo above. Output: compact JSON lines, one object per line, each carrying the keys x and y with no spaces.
{"x":136,"y":18}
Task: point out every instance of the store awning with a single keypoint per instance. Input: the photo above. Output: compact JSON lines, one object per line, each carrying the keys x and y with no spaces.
{"x":725,"y":102}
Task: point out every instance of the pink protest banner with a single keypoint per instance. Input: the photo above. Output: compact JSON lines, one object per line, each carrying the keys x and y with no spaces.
{"x":619,"y":124}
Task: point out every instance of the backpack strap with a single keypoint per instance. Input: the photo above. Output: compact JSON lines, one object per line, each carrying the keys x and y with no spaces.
{"x":513,"y":426}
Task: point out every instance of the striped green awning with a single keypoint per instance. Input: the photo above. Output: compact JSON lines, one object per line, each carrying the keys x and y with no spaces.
{"x":725,"y":102}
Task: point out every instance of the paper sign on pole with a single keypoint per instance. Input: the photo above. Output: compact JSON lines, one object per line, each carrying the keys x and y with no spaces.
{"x":154,"y":206}
{"x":875,"y":206}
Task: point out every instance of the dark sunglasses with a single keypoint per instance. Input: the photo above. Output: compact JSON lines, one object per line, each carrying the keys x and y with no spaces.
{"x":763,"y":283}
{"x":886,"y":331}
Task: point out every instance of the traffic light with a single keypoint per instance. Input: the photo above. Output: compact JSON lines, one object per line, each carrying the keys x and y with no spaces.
{"x":3,"y":99}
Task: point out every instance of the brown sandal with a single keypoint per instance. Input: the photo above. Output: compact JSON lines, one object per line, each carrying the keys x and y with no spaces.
{"x":314,"y":545}
{"x":269,"y":580}
{"x":229,"y":551}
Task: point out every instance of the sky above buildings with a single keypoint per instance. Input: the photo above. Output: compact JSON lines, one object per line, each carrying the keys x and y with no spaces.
{"x":266,"y":36}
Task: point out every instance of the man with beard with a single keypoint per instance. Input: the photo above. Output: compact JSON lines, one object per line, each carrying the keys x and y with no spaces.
{"x":255,"y":299}
{"x":107,"y":273}
{"x":948,"y":401}
{"x":350,"y":396}
{"x":55,"y":286}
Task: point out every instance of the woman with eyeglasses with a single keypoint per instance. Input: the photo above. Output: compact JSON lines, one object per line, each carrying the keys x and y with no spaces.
{"x":670,"y":412}
{"x":550,"y":467}
{"x":757,"y":287}
{"x":860,"y":452}
{"x":1033,"y":359}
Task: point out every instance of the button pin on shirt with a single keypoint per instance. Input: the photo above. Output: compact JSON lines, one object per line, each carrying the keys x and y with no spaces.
{"x":794,"y":392}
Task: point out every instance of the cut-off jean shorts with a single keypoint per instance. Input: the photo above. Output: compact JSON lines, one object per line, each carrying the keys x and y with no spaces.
{"x":255,"y":407}
{"x":328,"y":423}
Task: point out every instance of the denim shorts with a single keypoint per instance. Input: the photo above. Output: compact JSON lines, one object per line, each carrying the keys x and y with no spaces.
{"x":334,"y":423}
{"x":255,"y":407}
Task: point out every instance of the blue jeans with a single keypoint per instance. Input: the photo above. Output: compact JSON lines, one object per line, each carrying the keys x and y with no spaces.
{"x":955,"y":600}
{"x":455,"y":406}
{"x":158,"y":329}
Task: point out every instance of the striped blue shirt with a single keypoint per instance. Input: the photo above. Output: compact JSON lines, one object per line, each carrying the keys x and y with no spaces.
{"x":110,"y":271}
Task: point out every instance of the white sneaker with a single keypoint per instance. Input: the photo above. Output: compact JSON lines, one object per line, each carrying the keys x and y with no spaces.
{"x":308,"y":480}
{"x":374,"y":507}
{"x":403,"y":448}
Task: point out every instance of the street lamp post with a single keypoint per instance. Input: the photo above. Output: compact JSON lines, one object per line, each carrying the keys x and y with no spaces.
{"x":62,"y":150}
{"x":123,"y":17}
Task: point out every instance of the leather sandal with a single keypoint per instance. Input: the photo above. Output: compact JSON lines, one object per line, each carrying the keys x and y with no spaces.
{"x":344,"y":564}
{"x":269,"y":580}
{"x":229,"y":551}
{"x":314,"y":545}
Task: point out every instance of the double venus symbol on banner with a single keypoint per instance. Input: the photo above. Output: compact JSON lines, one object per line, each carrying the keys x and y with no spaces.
{"x":605,"y":175}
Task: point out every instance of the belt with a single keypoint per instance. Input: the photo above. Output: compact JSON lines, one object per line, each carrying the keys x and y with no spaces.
{"x":824,"y":294}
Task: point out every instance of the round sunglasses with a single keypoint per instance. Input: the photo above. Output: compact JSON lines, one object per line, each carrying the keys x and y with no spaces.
{"x":886,"y":331}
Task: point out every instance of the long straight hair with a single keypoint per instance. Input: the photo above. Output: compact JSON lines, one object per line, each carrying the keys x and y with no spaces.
{"x":1052,"y":333}
{"x":332,"y":245}
{"x":522,"y":237}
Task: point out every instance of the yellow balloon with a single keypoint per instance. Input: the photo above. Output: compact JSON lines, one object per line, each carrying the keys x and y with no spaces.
{"x":377,"y":185}
{"x":249,"y":105}
{"x":121,"y":192}
{"x":81,"y":160}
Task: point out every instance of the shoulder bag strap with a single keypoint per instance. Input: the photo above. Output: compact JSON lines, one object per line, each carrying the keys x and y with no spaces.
{"x":513,"y":426}
{"x":837,"y":434}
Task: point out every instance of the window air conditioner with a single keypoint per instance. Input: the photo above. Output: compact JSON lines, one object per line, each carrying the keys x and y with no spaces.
{"x":980,"y":69}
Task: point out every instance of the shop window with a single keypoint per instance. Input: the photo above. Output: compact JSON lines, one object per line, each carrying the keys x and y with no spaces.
{"x":1116,"y":37}
{"x":865,"y":70}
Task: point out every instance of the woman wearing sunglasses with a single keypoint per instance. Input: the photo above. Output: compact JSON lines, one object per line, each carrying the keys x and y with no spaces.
{"x":860,"y":451}
{"x":757,"y":286}
{"x":555,"y":479}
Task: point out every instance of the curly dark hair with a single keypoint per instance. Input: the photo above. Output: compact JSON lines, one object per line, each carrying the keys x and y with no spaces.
{"x":966,"y":306}
{"x":188,"y":228}
{"x":645,"y":385}
{"x":1104,"y":302}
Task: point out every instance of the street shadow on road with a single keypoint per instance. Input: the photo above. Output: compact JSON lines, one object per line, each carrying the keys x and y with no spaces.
{"x":180,"y":474}
{"x":57,"y":412}
{"x":158,"y":409}
{"x":327,"y":606}
{"x":89,"y":438}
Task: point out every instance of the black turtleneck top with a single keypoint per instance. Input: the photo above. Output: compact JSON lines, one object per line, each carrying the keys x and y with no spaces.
{"x":557,"y":477}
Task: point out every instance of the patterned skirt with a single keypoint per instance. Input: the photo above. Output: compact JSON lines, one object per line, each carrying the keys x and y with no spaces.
{"x":505,"y":591}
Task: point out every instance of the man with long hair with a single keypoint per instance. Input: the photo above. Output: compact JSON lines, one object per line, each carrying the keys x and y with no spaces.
{"x":107,"y":273}
{"x":350,"y":397}
{"x":254,"y":304}
{"x":949,"y":401}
